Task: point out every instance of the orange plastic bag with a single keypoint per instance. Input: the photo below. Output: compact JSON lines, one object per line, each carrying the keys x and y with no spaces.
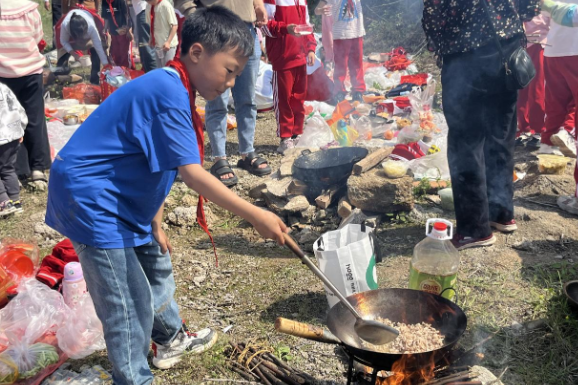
{"x":84,"y":93}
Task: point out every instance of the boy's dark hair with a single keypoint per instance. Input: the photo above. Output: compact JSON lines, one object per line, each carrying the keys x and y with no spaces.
{"x":217,"y":29}
{"x":78,"y":26}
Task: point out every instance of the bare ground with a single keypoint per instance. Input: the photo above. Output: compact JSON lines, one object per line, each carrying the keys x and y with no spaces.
{"x":512,"y":289}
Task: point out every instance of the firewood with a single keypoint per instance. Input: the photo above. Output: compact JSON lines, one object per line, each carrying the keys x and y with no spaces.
{"x":344,"y":208}
{"x":324,"y":200}
{"x":371,"y":160}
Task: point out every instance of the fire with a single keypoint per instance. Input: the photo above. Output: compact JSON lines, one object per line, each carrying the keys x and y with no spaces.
{"x":402,"y":376}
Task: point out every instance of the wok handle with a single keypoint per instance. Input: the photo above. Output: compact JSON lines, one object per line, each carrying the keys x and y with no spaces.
{"x":310,"y":332}
{"x":294,"y":247}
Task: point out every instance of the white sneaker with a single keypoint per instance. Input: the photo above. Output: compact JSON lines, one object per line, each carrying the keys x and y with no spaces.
{"x":566,"y":143}
{"x":285,"y":145}
{"x":167,"y":356}
{"x":547,"y":149}
{"x":568,"y":204}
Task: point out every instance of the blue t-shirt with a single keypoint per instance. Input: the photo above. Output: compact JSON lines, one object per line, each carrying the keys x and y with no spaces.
{"x":111,"y":178}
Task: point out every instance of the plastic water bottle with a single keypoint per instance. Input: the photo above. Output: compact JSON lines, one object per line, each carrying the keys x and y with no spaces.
{"x":73,"y":284}
{"x":435,"y":263}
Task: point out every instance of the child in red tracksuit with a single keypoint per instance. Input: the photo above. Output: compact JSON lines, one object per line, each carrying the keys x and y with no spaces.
{"x":289,"y":54}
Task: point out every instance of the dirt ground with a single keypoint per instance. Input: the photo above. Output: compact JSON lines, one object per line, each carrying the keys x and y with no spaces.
{"x":511,"y":291}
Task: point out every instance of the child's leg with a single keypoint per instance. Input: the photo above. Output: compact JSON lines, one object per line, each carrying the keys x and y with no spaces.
{"x":298,"y":98}
{"x":95,"y":70}
{"x":342,"y":48}
{"x":356,"y":65}
{"x":123,"y":301}
{"x":159,"y":271}
{"x":282,"y":86}
{"x":9,"y":187}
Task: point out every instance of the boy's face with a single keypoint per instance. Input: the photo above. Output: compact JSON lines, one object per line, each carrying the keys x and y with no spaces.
{"x":213,"y":74}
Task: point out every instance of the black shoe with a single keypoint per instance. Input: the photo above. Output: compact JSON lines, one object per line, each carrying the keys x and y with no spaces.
{"x":521,"y":141}
{"x":534,"y":142}
{"x":357,"y":97}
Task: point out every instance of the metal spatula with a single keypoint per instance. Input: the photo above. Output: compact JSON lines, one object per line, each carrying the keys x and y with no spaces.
{"x":374,"y":332}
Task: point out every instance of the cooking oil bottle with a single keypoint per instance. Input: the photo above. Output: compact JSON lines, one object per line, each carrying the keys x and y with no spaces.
{"x":435,"y":262}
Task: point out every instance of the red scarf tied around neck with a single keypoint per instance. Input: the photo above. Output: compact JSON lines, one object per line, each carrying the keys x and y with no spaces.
{"x":179,"y":66}
{"x":153,"y":23}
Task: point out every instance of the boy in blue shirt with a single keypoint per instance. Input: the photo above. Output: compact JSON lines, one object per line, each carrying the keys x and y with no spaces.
{"x":108,"y":184}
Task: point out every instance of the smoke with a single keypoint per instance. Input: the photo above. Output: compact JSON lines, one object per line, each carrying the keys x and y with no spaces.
{"x":393,"y":23}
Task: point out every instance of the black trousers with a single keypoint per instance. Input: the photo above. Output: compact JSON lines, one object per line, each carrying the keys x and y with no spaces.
{"x":9,"y":187}
{"x":35,"y":152}
{"x":94,"y":70}
{"x":147,"y":54}
{"x":481,"y":115}
{"x":56,"y":15}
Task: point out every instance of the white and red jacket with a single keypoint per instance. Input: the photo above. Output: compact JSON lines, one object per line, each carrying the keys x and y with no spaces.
{"x":286,"y":51}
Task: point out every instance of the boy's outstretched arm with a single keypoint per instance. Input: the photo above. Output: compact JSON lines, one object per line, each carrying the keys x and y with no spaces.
{"x":266,"y":223}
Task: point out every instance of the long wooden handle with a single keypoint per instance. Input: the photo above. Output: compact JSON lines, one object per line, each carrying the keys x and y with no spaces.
{"x":299,"y":329}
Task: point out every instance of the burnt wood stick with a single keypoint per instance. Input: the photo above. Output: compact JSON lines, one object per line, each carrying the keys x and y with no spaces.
{"x":262,"y":376}
{"x":242,"y":373}
{"x":284,"y":376}
{"x":279,"y":362}
{"x":465,"y":383}
{"x":244,"y":369}
{"x":451,"y":378}
{"x":271,"y":377}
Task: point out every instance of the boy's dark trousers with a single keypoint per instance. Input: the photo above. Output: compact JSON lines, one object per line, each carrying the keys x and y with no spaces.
{"x":147,"y":54}
{"x":35,"y":153}
{"x":56,"y":15}
{"x":94,"y":70}
{"x":481,"y":116}
{"x":9,"y":187}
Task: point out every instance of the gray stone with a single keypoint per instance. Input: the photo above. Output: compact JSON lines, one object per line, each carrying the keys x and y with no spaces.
{"x":447,"y":198}
{"x":278,"y":187}
{"x":307,"y":237}
{"x":257,"y":191}
{"x":375,"y":192}
{"x":296,"y":204}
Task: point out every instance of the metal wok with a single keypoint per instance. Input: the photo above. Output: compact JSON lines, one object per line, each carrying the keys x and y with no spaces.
{"x":398,"y":305}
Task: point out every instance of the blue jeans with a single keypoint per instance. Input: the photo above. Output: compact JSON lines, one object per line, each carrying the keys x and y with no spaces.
{"x":245,"y":108}
{"x":133,"y":293}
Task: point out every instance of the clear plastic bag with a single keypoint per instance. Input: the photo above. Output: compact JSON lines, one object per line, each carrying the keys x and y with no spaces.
{"x":376,"y":78}
{"x":363,"y":127}
{"x":316,"y":133}
{"x":409,"y":134}
{"x":82,"y":332}
{"x":59,"y":134}
{"x":33,"y":316}
{"x":432,"y":167}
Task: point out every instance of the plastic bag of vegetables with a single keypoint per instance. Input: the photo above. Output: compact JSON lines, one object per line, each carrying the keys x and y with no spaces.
{"x":26,"y":361}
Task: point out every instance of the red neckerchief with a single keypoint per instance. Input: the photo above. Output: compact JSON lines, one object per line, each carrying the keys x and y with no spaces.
{"x":112,"y":12}
{"x":91,"y":11}
{"x":153,"y":23}
{"x":178,"y":65}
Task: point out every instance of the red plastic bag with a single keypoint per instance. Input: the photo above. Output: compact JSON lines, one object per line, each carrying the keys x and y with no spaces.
{"x":398,"y":60}
{"x":84,"y":93}
{"x":105,"y":88}
{"x":419,"y":79}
